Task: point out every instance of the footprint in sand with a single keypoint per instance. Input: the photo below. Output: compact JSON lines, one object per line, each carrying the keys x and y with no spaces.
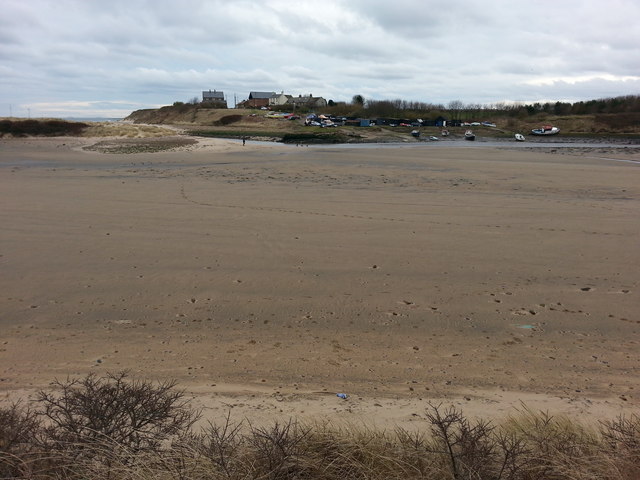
{"x":524,"y":311}
{"x":405,"y":302}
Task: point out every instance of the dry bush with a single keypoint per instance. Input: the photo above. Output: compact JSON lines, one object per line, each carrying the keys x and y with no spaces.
{"x":216,"y":452}
{"x":621,"y":442}
{"x":133,"y":415}
{"x":20,"y":429}
{"x":278,"y":450}
{"x":474,"y":449}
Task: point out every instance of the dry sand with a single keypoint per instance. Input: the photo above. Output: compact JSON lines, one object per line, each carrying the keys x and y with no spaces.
{"x":265,"y":279}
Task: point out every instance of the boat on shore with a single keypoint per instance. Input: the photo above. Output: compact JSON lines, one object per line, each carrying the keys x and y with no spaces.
{"x":469,"y":135}
{"x":445,"y":133}
{"x":519,"y":137}
{"x":545,"y":130}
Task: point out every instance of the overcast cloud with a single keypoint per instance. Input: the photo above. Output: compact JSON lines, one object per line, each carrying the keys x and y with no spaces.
{"x":85,"y":58}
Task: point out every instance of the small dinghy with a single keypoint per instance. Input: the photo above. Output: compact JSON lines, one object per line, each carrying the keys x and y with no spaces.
{"x":545,"y":130}
{"x":519,"y":137}
{"x":415,"y":133}
{"x":469,"y":135}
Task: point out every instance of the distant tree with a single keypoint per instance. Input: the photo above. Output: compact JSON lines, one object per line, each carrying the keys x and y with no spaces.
{"x":561,"y":108}
{"x":382,"y":108}
{"x":358,"y":100}
{"x":331,"y":103}
{"x":455,"y":107}
{"x":194,"y":101}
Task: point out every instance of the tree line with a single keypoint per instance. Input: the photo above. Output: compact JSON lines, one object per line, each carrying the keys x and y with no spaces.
{"x":456,"y":109}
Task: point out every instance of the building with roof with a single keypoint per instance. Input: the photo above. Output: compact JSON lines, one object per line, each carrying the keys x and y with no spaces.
{"x":272,"y":99}
{"x":279,"y":99}
{"x":214,"y":97}
{"x":308,"y":101}
{"x":258,"y":99}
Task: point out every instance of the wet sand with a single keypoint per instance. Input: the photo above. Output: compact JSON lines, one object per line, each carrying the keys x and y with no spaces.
{"x":266,"y":279}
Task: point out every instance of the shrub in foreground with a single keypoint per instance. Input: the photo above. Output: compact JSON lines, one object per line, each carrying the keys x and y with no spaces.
{"x":135,"y":414}
{"x":19,"y":431}
{"x":115,"y":427}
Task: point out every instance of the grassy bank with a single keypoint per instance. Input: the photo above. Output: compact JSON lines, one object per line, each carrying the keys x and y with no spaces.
{"x":114,"y":427}
{"x":297,"y":137}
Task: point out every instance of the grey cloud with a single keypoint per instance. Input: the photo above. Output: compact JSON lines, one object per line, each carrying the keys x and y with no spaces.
{"x":156,"y":52}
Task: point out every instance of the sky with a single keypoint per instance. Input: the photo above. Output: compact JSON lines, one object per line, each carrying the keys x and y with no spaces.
{"x":97,"y":58}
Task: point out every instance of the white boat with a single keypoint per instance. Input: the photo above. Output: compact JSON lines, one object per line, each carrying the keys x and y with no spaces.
{"x":415,"y":133}
{"x":469,"y":135}
{"x":445,"y":133}
{"x":545,"y":130}
{"x":433,"y":138}
{"x":519,"y":137}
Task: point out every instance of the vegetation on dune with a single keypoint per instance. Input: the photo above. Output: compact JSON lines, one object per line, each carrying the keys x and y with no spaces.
{"x":228,"y":119}
{"x":115,"y":427}
{"x":48,"y":128}
{"x":57,"y":128}
{"x":118,"y":129}
{"x":140,"y":145}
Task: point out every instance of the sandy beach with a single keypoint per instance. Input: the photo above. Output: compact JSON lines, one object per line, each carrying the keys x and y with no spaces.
{"x":267,"y":278}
